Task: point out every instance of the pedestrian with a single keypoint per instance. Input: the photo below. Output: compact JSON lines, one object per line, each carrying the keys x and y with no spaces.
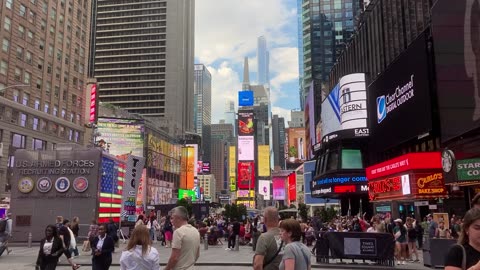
{"x":168,"y":230}
{"x":442,"y":231}
{"x":112,"y":231}
{"x":419,"y":230}
{"x":152,"y":226}
{"x":102,"y":249}
{"x":296,"y":255}
{"x":92,"y":230}
{"x":432,"y":226}
{"x":139,"y":221}
{"x":412,"y":240}
{"x":466,"y":254}
{"x":139,"y":254}
{"x":51,"y":248}
{"x":59,"y":222}
{"x":185,"y":244}
{"x":75,"y":229}
{"x":269,"y":244}
{"x":255,"y":232}
{"x":400,"y":235}
{"x":67,"y":238}
{"x":233,"y":235}
{"x":6,"y":228}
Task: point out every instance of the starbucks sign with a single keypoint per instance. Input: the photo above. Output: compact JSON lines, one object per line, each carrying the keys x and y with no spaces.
{"x":468,"y":169}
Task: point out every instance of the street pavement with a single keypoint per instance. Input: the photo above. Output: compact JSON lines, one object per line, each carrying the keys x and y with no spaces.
{"x":215,"y":258}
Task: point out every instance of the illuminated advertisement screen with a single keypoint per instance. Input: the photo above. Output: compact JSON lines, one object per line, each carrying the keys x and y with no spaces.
{"x":232,"y":161}
{"x":206,"y":167}
{"x":111,"y":185}
{"x":195,"y":157}
{"x":159,"y":191}
{"x":264,"y":160}
{"x":246,"y":175}
{"x":279,"y":188}
{"x":243,"y":193}
{"x":297,"y":148}
{"x":245,"y":98}
{"x":121,"y":136}
{"x":264,"y":189}
{"x":248,"y":204}
{"x":186,"y":193}
{"x":141,"y":195}
{"x":292,"y":187}
{"x":246,"y":148}
{"x":245,"y":123}
{"x":187,"y":165}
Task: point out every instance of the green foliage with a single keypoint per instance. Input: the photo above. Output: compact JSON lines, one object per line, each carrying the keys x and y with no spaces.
{"x":281,"y":207}
{"x":186,"y":204}
{"x":303,"y":211}
{"x":242,"y":212}
{"x":292,"y":206}
{"x":327,"y":214}
{"x":235,"y":211}
{"x":292,"y":151}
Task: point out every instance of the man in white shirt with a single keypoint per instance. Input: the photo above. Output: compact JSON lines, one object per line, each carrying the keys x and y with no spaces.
{"x":185,"y":244}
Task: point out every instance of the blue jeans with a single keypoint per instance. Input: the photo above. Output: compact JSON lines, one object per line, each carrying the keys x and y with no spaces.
{"x":152,"y":234}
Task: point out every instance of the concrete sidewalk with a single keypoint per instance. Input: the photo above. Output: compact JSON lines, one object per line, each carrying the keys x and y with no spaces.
{"x":214,"y":256}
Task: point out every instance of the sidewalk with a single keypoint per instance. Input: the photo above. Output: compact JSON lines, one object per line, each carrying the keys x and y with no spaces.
{"x":214,"y":256}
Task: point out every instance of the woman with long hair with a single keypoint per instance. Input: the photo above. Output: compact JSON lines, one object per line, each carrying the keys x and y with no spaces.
{"x":139,"y":254}
{"x":400,"y":235}
{"x":412,"y":239}
{"x":466,"y":254}
{"x":51,"y":248}
{"x":296,"y":256}
{"x":168,"y":228}
{"x":140,"y":221}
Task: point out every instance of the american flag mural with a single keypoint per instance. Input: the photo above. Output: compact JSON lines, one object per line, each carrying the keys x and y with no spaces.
{"x":111,"y":185}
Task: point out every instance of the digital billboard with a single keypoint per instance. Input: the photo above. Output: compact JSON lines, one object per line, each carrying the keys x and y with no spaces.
{"x":264,"y":160}
{"x":399,"y":96}
{"x":187,"y":167}
{"x":206,"y":167}
{"x":310,"y":124}
{"x":297,"y":148}
{"x":353,"y":101}
{"x":159,"y":191}
{"x":264,"y":189}
{"x":279,"y":188}
{"x":121,"y":136}
{"x":455,"y":30}
{"x":245,"y":98}
{"x":245,"y":123}
{"x":292,"y":187}
{"x":93,"y":103}
{"x":246,"y":148}
{"x":232,"y":168}
{"x":246,"y":175}
{"x":184,"y":194}
{"x":195,"y":158}
{"x":244,"y":193}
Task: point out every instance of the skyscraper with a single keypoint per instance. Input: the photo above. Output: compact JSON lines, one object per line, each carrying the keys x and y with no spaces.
{"x":230,"y":114}
{"x":43,"y":75}
{"x":144,"y":59}
{"x":278,"y":130}
{"x":263,"y":62}
{"x":327,"y":25}
{"x":203,"y":97}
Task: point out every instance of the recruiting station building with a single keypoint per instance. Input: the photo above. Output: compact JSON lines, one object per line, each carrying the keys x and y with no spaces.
{"x":86,"y":183}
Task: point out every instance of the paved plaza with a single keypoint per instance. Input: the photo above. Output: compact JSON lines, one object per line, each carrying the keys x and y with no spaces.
{"x":216,"y":257}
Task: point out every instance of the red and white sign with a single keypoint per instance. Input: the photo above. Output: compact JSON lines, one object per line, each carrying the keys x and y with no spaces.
{"x":411,"y":161}
{"x":292,"y":187}
{"x":93,"y":103}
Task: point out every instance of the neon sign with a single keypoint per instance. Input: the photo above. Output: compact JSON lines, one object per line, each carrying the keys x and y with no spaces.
{"x":93,"y":102}
{"x":387,"y":185}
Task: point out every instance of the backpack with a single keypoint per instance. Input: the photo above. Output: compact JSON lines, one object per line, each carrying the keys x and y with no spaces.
{"x":3,"y":225}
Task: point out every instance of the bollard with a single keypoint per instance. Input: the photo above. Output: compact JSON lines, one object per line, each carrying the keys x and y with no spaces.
{"x":205,"y":242}
{"x":237,"y":244}
{"x":29,"y":239}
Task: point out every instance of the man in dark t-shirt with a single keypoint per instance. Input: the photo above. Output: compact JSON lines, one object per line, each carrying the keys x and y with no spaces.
{"x":455,"y":256}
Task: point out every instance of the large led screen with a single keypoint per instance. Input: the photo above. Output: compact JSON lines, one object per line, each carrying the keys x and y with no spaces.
{"x":330,"y":115}
{"x":456,"y":41}
{"x":297,"y":148}
{"x":121,"y":136}
{"x":246,"y":175}
{"x":264,"y":160}
{"x":246,"y":148}
{"x":400,"y":99}
{"x":264,"y":189}
{"x":279,"y":188}
{"x":245,"y":123}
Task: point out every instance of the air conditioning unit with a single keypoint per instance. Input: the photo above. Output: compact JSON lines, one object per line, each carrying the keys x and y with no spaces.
{"x":1,"y":149}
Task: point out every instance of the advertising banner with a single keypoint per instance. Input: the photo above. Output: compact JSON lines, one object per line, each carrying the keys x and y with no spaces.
{"x":233,"y":184}
{"x":141,"y":193}
{"x":195,"y":158}
{"x":353,"y":101}
{"x":246,"y":175}
{"x":159,"y":191}
{"x":279,"y":188}
{"x":121,"y":136}
{"x":133,"y":174}
{"x":264,"y":189}
{"x":206,"y":167}
{"x":246,"y":148}
{"x":264,"y":160}
{"x":232,"y":161}
{"x":457,"y":63}
{"x":243,"y":193}
{"x":246,"y":202}
{"x":330,"y":114}
{"x":468,"y":169}
{"x":292,"y":187}
{"x":338,"y":185}
{"x":401,"y":94}
{"x":190,"y":167}
{"x":184,"y":194}
{"x":297,"y":148}
{"x":245,"y":98}
{"x":245,"y":123}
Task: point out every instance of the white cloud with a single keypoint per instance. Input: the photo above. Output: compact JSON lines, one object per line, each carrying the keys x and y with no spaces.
{"x":282,"y":112}
{"x":284,"y":65}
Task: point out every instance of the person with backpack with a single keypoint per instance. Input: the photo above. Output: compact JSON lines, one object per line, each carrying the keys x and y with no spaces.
{"x":5,"y":233}
{"x":268,"y":253}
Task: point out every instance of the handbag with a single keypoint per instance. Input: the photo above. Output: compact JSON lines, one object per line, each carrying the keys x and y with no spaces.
{"x":86,"y":246}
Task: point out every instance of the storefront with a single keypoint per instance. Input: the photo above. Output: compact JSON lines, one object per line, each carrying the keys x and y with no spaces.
{"x":408,"y":185}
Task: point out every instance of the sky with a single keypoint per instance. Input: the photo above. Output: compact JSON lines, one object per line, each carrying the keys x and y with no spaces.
{"x":226,"y":31}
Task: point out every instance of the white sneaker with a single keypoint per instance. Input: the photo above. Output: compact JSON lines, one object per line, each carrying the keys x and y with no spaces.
{"x":403,"y":262}
{"x":227,"y":249}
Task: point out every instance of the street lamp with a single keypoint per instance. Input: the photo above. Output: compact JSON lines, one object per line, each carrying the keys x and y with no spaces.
{"x":11,"y":86}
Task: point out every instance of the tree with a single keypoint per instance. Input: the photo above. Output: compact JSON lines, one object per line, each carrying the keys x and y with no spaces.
{"x":188,"y":205}
{"x":233,"y":211}
{"x":292,"y":206}
{"x":303,"y":211}
{"x":242,"y":212}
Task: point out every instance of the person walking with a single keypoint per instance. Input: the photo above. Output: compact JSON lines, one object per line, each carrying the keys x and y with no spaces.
{"x":269,"y":244}
{"x":168,"y":231}
{"x":296,"y":255}
{"x":51,"y":248}
{"x":139,"y":254}
{"x":67,"y":237}
{"x":6,"y":228}
{"x":92,"y":230}
{"x":139,"y":221}
{"x":112,"y":231}
{"x":152,"y":226}
{"x":400,"y":235}
{"x":102,"y":249}
{"x":412,"y":240}
{"x":233,"y":235}
{"x":75,"y":229}
{"x":185,"y":244}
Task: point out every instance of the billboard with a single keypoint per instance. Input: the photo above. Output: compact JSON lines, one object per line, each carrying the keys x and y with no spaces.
{"x":353,"y":101}
{"x":330,"y":115}
{"x":279,"y":188}
{"x":187,"y":167}
{"x":206,"y":167}
{"x":243,"y":193}
{"x":246,"y":175}
{"x":310,"y":124}
{"x":187,"y":193}
{"x":455,"y":31}
{"x":246,"y":148}
{"x":292,"y":187}
{"x":297,"y":147}
{"x":141,"y":193}
{"x":133,"y":174}
{"x":93,"y":103}
{"x":264,"y":189}
{"x":195,"y":158}
{"x":121,"y":136}
{"x":400,"y":95}
{"x":245,"y":98}
{"x":245,"y":123}
{"x":232,"y":168}
{"x":159,"y":191}
{"x":264,"y":160}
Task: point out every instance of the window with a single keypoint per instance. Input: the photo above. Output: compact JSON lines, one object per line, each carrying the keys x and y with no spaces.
{"x":338,"y":15}
{"x":7,"y":24}
{"x":64,"y":114}
{"x":34,"y":2}
{"x":70,"y":135}
{"x":53,"y":14}
{"x":19,"y":52}
{"x":52,"y":30}
{"x":45,"y":6}
{"x":3,"y":67}
{"x":332,"y":161}
{"x":64,"y":95}
{"x":18,"y":140}
{"x":28,"y":57}
{"x":43,"y":125}
{"x":5,"y":45}
{"x":82,"y":51}
{"x":338,"y":26}
{"x":31,"y":16}
{"x":326,"y":7}
{"x":352,"y":159}
{"x":81,"y":68}
{"x":16,"y":95}
{"x":79,"y":117}
{"x":337,"y":4}
{"x":48,"y":88}
{"x":76,"y":136}
{"x":39,"y":83}
{"x":57,"y":92}
{"x":36,"y":105}
{"x":348,"y":5}
{"x":35,"y":123}
{"x":55,"y":110}
{"x":23,"y":10}
{"x":43,"y":25}
{"x":23,"y":119}
{"x":26,"y":77}
{"x":9,"y":4}
{"x":46,"y":108}
{"x":74,"y":100}
{"x":21,"y":31}
{"x":25,"y":99}
{"x":41,"y":44}
{"x":59,"y":55}
{"x":18,"y":74}
{"x":50,"y":50}
{"x":72,"y":117}
{"x":49,"y":69}
{"x":38,"y":144}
